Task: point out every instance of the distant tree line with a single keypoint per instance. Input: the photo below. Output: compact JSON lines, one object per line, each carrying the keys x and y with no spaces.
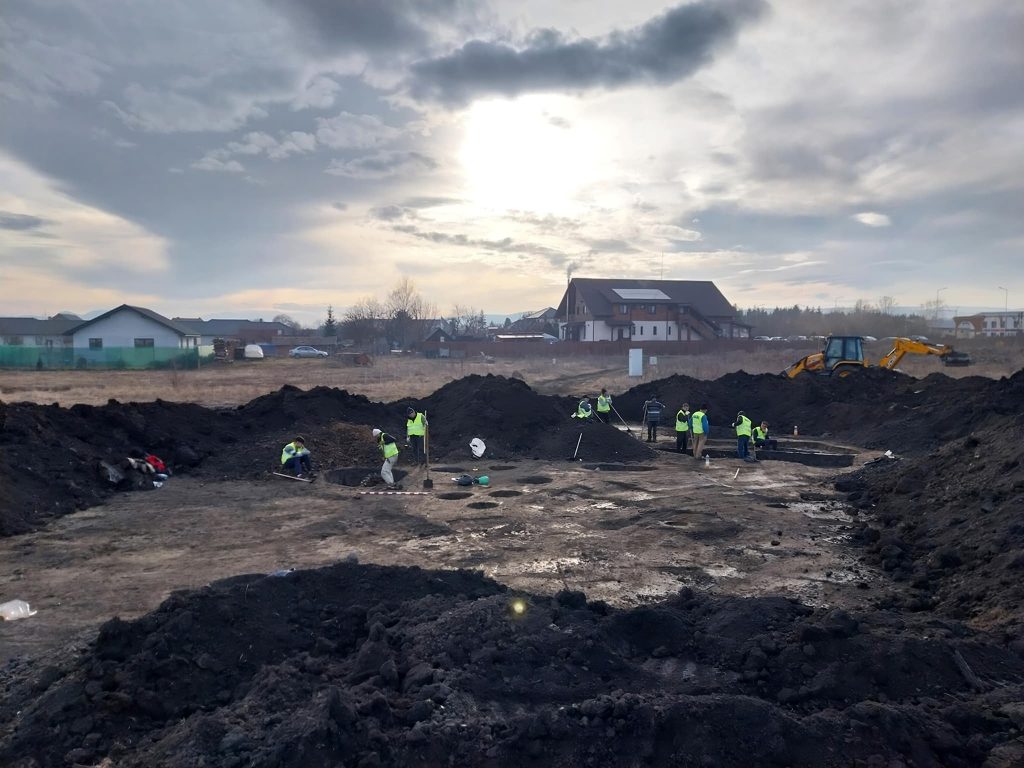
{"x":864,"y":319}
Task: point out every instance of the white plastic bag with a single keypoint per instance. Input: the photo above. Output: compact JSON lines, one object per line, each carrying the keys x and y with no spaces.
{"x":477,"y":446}
{"x":15,"y":609}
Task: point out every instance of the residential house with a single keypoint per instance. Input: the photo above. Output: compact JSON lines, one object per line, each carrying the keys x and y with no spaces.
{"x":1006,"y":323}
{"x":34,"y":342}
{"x":240,"y":332}
{"x":34,"y":332}
{"x":128,"y":327}
{"x":543,"y":322}
{"x":648,"y":311}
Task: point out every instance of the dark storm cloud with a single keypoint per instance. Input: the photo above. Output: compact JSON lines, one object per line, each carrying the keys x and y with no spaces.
{"x":21,"y":222}
{"x":372,"y":25}
{"x":665,"y":49}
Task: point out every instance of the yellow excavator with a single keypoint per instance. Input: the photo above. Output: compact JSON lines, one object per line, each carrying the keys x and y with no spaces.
{"x":844,"y":355}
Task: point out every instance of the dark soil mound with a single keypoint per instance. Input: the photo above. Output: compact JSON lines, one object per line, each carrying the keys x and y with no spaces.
{"x":516,"y":422}
{"x":874,"y":408}
{"x":359,"y":666}
{"x":949,"y":525}
{"x":52,"y":459}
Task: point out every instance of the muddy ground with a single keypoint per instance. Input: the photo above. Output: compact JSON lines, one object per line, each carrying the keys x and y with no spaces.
{"x":659,"y":612}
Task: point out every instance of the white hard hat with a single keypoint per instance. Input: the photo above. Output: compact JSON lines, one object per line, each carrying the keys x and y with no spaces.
{"x":376,"y":433}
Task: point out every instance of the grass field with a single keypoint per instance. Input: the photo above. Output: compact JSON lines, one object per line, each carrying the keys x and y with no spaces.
{"x":391,"y":378}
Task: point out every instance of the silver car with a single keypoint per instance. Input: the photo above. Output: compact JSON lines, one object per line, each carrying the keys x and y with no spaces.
{"x":307,"y":352}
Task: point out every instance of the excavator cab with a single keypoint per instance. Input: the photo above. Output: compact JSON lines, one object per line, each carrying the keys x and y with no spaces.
{"x":842,"y":356}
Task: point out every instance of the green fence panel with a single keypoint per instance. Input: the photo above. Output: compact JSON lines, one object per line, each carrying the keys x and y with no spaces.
{"x":42,"y":358}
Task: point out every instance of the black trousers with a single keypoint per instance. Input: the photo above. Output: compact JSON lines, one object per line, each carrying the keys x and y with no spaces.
{"x":682,"y":440}
{"x":652,"y":431}
{"x":416,"y":446}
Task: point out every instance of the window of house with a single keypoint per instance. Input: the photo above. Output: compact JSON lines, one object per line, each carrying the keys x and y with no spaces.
{"x":668,"y":331}
{"x":652,"y":308}
{"x":15,"y":341}
{"x":641,"y":330}
{"x":655,"y":331}
{"x":624,"y":309}
{"x":584,"y":334}
{"x":143,"y":343}
{"x":95,"y":343}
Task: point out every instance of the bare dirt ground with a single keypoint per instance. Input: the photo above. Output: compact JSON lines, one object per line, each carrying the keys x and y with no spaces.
{"x":392,"y":378}
{"x":626,"y":537}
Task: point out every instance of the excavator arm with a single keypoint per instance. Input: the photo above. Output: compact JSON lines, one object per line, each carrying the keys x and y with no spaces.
{"x":901,"y":347}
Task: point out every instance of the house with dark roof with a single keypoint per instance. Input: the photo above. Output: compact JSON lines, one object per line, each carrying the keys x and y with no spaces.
{"x":648,"y":311}
{"x":46,"y":333}
{"x":543,"y":322}
{"x":134,"y":327}
{"x":238,"y":331}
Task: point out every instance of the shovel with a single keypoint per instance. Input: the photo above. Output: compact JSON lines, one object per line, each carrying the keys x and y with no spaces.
{"x":427,"y":482}
{"x":576,"y":452}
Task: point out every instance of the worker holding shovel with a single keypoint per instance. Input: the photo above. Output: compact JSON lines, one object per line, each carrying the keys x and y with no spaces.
{"x":415,"y":431}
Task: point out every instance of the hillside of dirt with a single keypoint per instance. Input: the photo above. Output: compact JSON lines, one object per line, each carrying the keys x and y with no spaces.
{"x":55,"y":460}
{"x":875,"y":408}
{"x":949,"y":526}
{"x":364,"y":665}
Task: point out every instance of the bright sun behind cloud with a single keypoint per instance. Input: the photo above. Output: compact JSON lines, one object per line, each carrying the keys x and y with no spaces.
{"x":527,"y":154}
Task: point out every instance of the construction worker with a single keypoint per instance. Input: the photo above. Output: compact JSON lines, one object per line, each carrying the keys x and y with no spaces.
{"x":682,"y":428}
{"x":584,"y":410}
{"x":700,"y":427}
{"x":742,"y":425}
{"x":415,"y":431}
{"x":604,"y":406}
{"x":296,"y":458}
{"x":652,"y":415}
{"x":389,"y":449}
{"x":761,"y":439}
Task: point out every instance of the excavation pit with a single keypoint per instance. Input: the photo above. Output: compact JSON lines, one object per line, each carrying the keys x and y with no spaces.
{"x":620,"y":467}
{"x":454,"y":495}
{"x":483,"y":504}
{"x":536,"y":479}
{"x":353,"y":477}
{"x":505,"y":494}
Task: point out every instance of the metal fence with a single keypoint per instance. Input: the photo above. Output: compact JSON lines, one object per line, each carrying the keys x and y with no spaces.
{"x":116,"y":358}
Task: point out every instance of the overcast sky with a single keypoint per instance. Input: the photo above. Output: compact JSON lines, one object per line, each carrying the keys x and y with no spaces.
{"x":253,"y":157}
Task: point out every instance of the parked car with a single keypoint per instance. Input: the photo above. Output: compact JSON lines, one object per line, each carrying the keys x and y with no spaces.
{"x":762,"y":338}
{"x":869,"y":338}
{"x":307,"y":352}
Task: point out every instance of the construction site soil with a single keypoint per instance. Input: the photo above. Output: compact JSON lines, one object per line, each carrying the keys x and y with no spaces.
{"x":365,"y":665}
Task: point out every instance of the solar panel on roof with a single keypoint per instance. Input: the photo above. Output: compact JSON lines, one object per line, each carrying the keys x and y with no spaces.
{"x":641,"y":294}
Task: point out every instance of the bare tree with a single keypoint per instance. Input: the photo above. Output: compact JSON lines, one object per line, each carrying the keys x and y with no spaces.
{"x":406,"y":307}
{"x":364,"y":320}
{"x":288,"y":320}
{"x":886,"y":304}
{"x":933,"y":309}
{"x":468,"y":321}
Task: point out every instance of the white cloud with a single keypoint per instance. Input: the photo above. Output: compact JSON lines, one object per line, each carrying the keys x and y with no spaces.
{"x":872,"y":219}
{"x":317,"y":93}
{"x":347,"y":130}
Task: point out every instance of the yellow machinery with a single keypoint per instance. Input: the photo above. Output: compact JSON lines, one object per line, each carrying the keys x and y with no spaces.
{"x":900,"y":347}
{"x":844,"y":355}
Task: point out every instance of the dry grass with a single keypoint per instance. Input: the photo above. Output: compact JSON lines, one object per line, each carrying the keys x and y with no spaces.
{"x":394,"y":378}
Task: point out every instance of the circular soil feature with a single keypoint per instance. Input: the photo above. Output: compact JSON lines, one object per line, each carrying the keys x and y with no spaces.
{"x":353,"y":476}
{"x":620,"y":467}
{"x":454,"y":495}
{"x":500,"y":467}
{"x":483,"y":505}
{"x":536,"y":479}
{"x":504,"y":494}
{"x":460,"y":470}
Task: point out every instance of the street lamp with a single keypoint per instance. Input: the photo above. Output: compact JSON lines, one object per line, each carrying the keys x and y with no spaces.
{"x":1006,"y":299}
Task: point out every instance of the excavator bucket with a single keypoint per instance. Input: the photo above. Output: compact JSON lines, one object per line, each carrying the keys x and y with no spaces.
{"x":956,"y":359}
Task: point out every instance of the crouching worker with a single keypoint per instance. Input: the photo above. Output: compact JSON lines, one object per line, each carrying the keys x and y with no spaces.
{"x":295,"y":458}
{"x":389,"y":449}
{"x":761,"y":439}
